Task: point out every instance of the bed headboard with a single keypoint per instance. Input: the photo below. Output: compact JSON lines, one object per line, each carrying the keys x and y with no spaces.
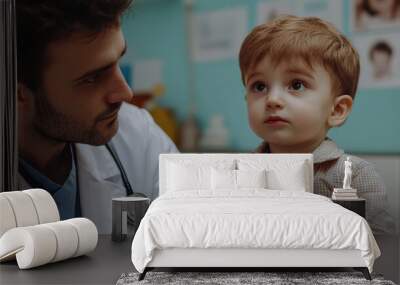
{"x":269,"y":159}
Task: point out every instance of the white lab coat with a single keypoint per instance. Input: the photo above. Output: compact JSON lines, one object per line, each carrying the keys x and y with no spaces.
{"x":138,"y":143}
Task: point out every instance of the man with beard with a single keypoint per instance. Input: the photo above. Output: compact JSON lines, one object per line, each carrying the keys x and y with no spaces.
{"x":77,"y":137}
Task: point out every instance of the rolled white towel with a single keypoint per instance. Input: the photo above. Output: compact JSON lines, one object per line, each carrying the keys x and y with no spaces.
{"x":45,"y":205}
{"x":23,"y":209}
{"x":33,"y":246}
{"x":40,"y":244}
{"x":66,"y":238}
{"x":7,"y":218}
{"x":26,"y":208}
{"x":87,"y":235}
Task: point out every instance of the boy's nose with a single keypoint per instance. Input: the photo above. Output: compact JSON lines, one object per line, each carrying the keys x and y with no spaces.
{"x":274,"y":100}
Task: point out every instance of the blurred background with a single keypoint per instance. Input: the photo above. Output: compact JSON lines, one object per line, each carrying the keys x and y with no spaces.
{"x":182,"y":64}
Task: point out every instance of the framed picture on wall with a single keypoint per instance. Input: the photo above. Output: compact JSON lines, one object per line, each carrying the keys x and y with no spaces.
{"x":380,"y":60}
{"x":328,"y":10}
{"x":218,"y":34}
{"x":367,"y":15}
{"x":267,"y":11}
{"x":331,"y":11}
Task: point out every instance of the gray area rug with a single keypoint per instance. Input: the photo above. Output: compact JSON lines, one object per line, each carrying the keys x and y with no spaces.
{"x":225,"y":278}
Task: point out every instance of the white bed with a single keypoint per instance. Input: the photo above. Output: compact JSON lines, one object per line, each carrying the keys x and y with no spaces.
{"x":247,"y":210}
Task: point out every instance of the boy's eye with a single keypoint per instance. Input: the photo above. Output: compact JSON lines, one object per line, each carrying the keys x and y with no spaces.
{"x":297,"y":85}
{"x":258,"y":87}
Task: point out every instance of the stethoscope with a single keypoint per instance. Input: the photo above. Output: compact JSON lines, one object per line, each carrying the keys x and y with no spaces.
{"x":125,"y":180}
{"x":128,"y":187}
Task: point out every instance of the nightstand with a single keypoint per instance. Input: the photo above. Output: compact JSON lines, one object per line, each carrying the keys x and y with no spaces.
{"x":355,"y":205}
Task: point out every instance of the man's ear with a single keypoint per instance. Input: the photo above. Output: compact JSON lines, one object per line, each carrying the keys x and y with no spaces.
{"x":340,"y":110}
{"x":24,"y":94}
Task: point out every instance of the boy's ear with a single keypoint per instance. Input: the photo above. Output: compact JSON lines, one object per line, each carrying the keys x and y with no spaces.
{"x":340,"y":110}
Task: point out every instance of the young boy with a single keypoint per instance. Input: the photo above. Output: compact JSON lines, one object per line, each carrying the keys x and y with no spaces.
{"x":301,"y":78}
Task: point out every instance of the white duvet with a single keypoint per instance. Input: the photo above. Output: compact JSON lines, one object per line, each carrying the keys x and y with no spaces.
{"x":250,"y":218}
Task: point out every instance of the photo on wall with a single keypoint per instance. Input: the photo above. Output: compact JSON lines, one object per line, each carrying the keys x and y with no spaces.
{"x":267,"y":11}
{"x":368,"y":15}
{"x":218,"y":34}
{"x":379,"y":59}
{"x":331,"y":11}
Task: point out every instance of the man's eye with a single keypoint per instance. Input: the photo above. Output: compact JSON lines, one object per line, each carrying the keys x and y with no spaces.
{"x":91,"y":79}
{"x":297,"y":85}
{"x":258,"y":87}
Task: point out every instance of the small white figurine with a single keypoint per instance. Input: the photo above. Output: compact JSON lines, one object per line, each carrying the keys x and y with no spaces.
{"x":347,"y":174}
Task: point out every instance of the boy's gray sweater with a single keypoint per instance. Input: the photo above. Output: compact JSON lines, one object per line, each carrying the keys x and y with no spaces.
{"x":329,"y":173}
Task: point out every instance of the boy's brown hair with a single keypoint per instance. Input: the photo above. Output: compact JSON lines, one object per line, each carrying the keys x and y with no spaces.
{"x":311,"y":39}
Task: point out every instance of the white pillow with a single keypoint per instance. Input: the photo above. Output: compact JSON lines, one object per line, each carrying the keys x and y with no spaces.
{"x":188,"y":175}
{"x":251,"y":178}
{"x":223,"y":179}
{"x":294,"y":180}
{"x":226,"y":179}
{"x":281,"y":174}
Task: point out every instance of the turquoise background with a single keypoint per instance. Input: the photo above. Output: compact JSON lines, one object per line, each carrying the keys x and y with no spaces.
{"x":155,"y":29}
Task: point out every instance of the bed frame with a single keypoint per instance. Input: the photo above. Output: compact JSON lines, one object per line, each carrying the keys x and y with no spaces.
{"x":249,"y":259}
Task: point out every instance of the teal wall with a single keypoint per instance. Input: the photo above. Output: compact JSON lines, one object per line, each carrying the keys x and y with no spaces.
{"x":155,"y":29}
